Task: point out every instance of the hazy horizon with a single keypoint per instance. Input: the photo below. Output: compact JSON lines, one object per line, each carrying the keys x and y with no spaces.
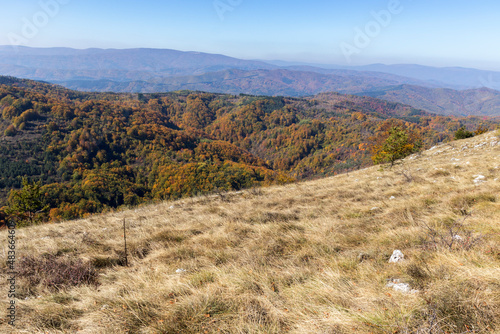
{"x":447,"y":34}
{"x":270,"y":60}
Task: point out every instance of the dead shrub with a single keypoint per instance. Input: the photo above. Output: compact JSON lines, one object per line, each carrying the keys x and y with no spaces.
{"x":56,"y":273}
{"x":452,"y":236}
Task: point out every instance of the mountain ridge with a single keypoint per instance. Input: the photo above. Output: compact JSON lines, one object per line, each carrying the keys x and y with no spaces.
{"x":159,"y":70}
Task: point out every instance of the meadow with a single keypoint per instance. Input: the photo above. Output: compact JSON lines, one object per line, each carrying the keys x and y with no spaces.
{"x":306,"y":257}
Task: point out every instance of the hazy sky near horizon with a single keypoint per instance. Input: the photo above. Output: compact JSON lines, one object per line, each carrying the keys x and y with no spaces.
{"x":436,"y":33}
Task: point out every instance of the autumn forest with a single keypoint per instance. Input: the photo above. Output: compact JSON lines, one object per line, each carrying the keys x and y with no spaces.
{"x":92,"y":152}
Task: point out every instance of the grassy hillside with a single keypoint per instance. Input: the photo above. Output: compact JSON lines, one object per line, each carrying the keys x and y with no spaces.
{"x":309,"y":257}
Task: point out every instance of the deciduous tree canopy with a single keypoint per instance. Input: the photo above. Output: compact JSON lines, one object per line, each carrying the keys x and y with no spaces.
{"x":92,"y":152}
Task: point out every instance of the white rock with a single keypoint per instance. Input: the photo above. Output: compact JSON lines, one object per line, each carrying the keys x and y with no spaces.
{"x":180,"y":271}
{"x":457,"y":237}
{"x":479,"y":179}
{"x":396,"y":285}
{"x":392,"y":197}
{"x":401,"y":287}
{"x":397,"y":256}
{"x":171,"y":207}
{"x":374,"y":208}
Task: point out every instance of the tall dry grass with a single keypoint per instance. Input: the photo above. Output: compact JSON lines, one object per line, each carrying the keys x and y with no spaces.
{"x":309,"y":257}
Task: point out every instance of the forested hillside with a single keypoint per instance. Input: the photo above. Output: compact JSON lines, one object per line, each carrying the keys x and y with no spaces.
{"x":98,"y":151}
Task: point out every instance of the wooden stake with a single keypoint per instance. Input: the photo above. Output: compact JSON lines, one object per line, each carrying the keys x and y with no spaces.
{"x":125,"y":242}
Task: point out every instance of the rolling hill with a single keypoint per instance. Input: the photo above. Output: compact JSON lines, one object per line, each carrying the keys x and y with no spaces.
{"x":443,"y":101}
{"x":446,"y":77}
{"x":159,"y":70}
{"x":56,"y":63}
{"x":257,"y":82}
{"x":459,"y":78}
{"x":308,"y":257}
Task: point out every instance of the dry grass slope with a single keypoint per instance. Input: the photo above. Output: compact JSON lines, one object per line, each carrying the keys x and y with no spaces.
{"x":309,"y":257}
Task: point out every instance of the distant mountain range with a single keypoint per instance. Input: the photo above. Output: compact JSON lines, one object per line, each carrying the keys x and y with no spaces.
{"x":445,"y":77}
{"x":449,"y":91}
{"x":481,"y":101}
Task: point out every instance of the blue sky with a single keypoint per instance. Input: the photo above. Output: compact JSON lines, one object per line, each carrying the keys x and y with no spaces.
{"x":437,"y":33}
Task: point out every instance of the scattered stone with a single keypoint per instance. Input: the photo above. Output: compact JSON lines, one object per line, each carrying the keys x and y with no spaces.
{"x":397,"y":256}
{"x":171,"y":207}
{"x":180,"y":271}
{"x":457,"y":237}
{"x":396,"y":285}
{"x":392,"y":197}
{"x":479,"y":179}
